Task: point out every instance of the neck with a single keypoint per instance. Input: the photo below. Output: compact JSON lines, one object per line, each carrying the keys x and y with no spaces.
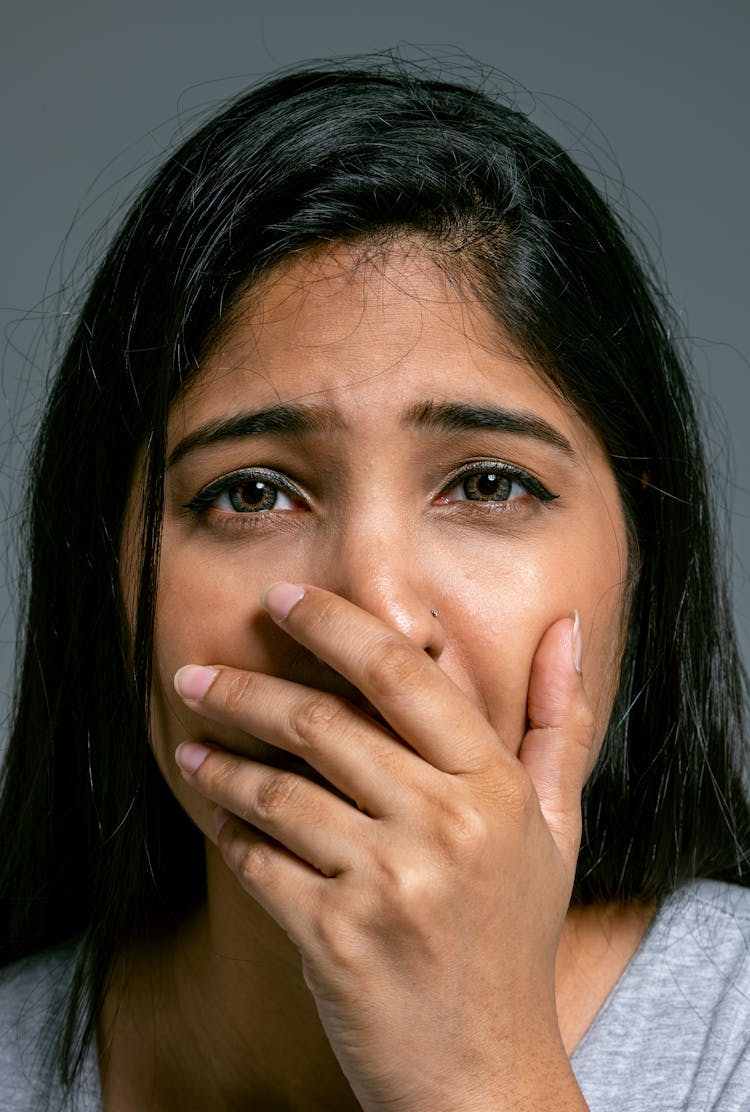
{"x":220,"y":1011}
{"x":596,"y":946}
{"x":216,"y":1015}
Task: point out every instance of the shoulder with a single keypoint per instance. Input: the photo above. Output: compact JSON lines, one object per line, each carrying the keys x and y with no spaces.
{"x":707,"y":910}
{"x":33,"y":999}
{"x":713,"y":895}
{"x":38,"y":973}
{"x":675,"y":1032}
{"x":701,"y":939}
{"x":31,"y":992}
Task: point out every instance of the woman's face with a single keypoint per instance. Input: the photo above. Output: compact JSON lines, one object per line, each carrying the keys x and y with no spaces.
{"x":361,"y":428}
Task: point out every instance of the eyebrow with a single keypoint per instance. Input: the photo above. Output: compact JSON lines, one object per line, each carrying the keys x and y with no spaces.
{"x":458,"y":417}
{"x":294,"y":420}
{"x":430,"y":416}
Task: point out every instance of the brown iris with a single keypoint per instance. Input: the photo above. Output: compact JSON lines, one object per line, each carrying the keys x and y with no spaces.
{"x":487,"y":486}
{"x":252,"y":496}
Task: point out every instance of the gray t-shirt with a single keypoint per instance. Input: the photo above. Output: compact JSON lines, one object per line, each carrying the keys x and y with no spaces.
{"x":33,"y":1000}
{"x":674,"y":1033}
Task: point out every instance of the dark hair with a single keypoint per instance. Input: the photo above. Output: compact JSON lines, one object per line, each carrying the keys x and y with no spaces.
{"x":92,"y":839}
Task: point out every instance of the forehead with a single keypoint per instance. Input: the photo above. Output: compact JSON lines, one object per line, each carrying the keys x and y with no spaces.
{"x":368,"y":336}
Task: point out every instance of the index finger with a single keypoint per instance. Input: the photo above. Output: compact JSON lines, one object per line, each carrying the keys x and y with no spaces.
{"x":414,"y":695}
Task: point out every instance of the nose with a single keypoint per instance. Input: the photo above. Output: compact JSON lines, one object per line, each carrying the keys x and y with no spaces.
{"x":383,"y":575}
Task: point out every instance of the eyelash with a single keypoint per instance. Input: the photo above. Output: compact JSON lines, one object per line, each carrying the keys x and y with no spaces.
{"x":272,"y":480}
{"x":490,"y":470}
{"x":236,"y":479}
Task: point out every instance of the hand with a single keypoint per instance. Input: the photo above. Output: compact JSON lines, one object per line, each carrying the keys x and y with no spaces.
{"x":427,"y":899}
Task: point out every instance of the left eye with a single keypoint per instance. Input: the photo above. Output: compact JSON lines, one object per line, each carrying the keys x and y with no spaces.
{"x":493,"y":484}
{"x":484,"y":486}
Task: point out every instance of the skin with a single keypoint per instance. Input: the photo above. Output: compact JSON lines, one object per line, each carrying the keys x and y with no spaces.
{"x":387,"y":923}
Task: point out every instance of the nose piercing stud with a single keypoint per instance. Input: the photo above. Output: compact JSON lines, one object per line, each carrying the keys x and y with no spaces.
{"x":434,"y":613}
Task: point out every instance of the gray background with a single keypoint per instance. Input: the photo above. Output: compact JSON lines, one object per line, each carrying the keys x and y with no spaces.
{"x":92,"y":93}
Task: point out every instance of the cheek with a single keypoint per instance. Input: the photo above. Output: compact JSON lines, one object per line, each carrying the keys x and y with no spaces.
{"x":507,"y":617}
{"x":203,"y":619}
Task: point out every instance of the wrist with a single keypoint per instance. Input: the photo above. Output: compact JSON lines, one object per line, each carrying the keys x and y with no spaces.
{"x":543,"y":1082}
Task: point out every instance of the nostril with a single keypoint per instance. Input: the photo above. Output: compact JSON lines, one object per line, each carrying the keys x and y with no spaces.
{"x":435,"y":642}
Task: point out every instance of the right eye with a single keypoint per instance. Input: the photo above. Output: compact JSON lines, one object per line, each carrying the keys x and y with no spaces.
{"x":248,"y":492}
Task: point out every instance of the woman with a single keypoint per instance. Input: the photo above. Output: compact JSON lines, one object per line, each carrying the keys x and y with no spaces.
{"x":378,"y":739}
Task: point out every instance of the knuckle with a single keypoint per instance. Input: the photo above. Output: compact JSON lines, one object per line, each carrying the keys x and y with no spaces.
{"x":255,"y":864}
{"x":238,"y":692}
{"x":278,"y":793}
{"x":219,"y":771}
{"x":464,"y":831}
{"x":312,"y":719}
{"x":394,"y":666}
{"x":413,"y":886}
{"x":403,"y":883}
{"x":416,"y":893}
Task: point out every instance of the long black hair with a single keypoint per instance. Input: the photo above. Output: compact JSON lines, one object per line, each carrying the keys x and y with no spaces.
{"x":93,"y":841}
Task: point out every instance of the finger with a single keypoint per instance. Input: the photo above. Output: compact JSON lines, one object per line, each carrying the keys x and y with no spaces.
{"x":418,"y":700}
{"x":278,"y":880}
{"x":355,"y":754}
{"x":557,"y":749}
{"x":312,"y":823}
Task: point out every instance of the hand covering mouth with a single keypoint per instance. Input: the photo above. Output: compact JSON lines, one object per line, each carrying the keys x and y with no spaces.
{"x":290,"y":762}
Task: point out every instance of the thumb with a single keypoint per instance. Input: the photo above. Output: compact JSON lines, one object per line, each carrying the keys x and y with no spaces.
{"x":557,"y":749}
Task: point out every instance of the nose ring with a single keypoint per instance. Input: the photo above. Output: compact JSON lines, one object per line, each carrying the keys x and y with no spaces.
{"x":434,"y":613}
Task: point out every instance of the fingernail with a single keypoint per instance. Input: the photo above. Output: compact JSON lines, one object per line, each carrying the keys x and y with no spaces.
{"x":220,"y":817}
{"x":191,"y":755}
{"x":577,"y":643}
{"x":192,"y":681}
{"x":280,"y":598}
